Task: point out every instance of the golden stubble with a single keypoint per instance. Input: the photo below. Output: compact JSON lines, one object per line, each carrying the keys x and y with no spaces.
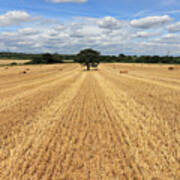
{"x":59,"y":122}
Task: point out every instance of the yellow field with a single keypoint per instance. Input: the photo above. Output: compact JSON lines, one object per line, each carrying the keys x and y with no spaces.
{"x":58,"y":122}
{"x":9,"y":61}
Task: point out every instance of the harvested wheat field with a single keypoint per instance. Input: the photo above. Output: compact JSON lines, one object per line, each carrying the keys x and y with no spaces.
{"x":58,"y":122}
{"x":9,"y":61}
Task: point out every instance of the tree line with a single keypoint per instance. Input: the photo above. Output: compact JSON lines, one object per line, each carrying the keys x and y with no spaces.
{"x":48,"y":58}
{"x":37,"y":58}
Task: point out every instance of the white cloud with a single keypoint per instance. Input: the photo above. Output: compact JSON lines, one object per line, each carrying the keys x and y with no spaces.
{"x":168,"y":2}
{"x":114,"y":37}
{"x":28,"y":31}
{"x":109,"y":22}
{"x":170,"y":39}
{"x":168,"y":43}
{"x":174,"y":27}
{"x":144,"y":34}
{"x":151,"y":21}
{"x":14,"y":18}
{"x":65,"y":1}
{"x":86,"y":31}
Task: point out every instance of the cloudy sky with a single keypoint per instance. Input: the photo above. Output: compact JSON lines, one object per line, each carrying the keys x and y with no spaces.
{"x":111,"y":26}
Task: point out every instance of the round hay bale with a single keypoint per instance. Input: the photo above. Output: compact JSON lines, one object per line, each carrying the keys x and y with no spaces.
{"x":123,"y":71}
{"x":171,"y":68}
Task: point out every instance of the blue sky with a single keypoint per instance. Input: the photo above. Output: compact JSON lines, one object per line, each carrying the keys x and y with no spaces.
{"x":112,"y":27}
{"x":117,"y":8}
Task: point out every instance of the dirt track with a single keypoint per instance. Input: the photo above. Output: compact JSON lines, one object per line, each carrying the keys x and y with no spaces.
{"x":59,"y":122}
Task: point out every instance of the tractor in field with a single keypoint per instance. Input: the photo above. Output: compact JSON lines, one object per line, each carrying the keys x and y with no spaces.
{"x":95,"y":66}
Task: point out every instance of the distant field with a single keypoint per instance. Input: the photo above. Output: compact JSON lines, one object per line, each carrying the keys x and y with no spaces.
{"x":9,"y":61}
{"x":68,"y":61}
{"x":58,"y":122}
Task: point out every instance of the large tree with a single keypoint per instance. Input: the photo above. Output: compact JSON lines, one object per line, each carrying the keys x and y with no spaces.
{"x":88,"y":57}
